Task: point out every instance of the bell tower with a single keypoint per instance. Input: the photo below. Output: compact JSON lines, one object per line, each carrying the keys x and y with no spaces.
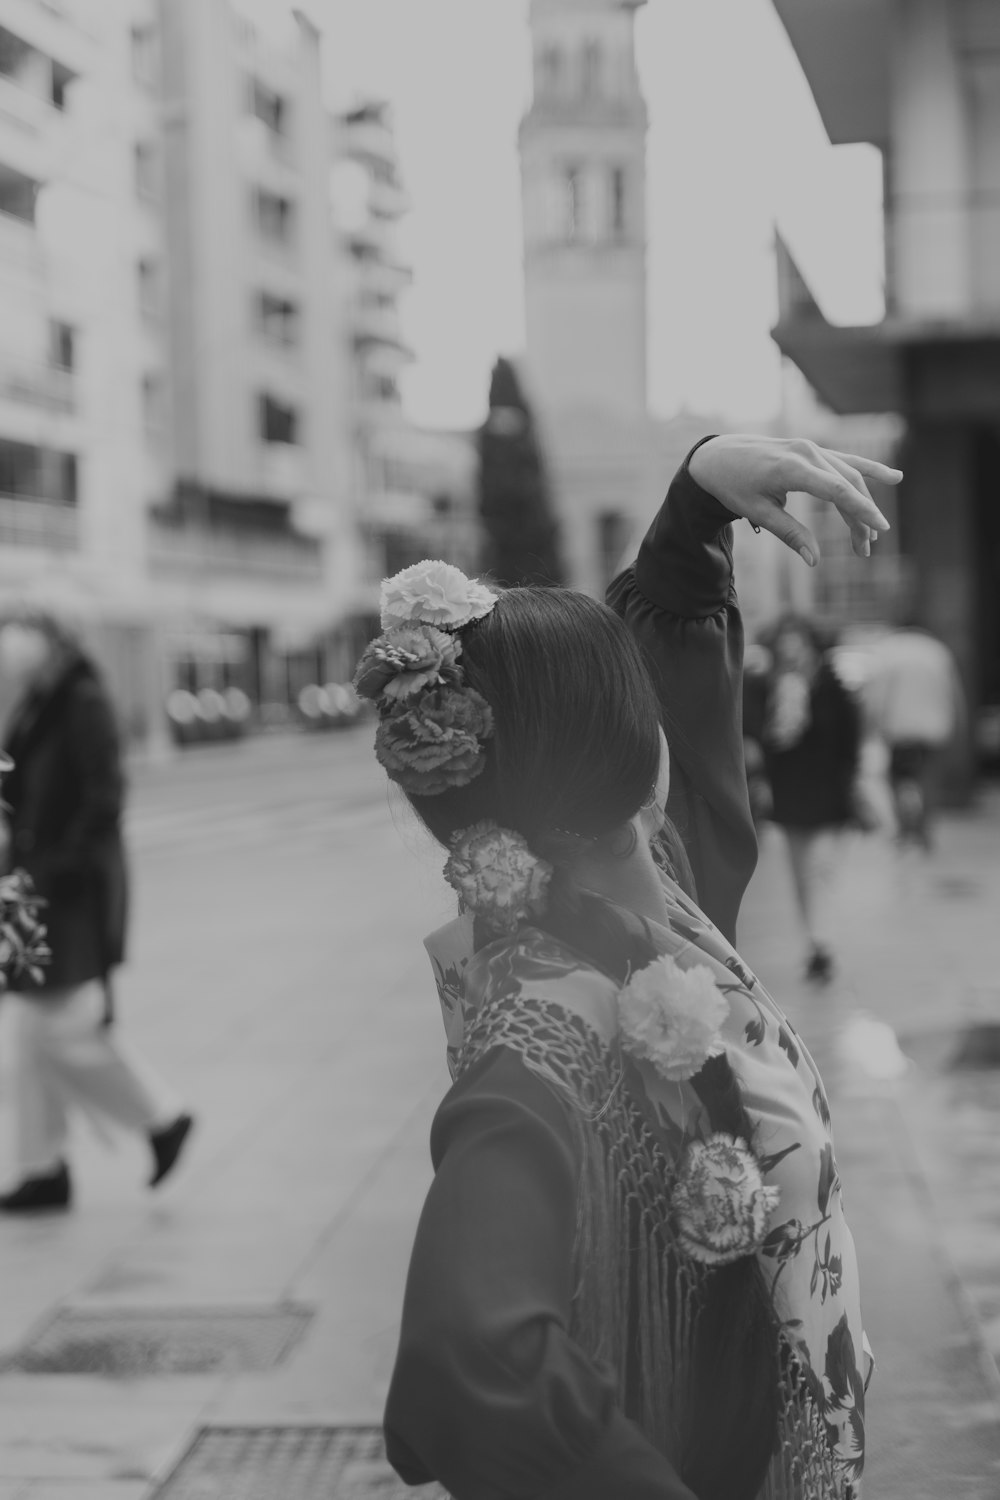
{"x":583,"y":184}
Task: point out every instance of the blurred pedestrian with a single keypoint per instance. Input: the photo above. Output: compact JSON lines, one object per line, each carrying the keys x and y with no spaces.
{"x":913,"y":698}
{"x":811,"y":740}
{"x":64,"y":800}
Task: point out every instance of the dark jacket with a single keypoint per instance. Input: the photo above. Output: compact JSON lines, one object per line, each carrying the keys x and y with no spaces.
{"x":679,"y":601}
{"x":65,"y":798}
{"x":812,"y":780}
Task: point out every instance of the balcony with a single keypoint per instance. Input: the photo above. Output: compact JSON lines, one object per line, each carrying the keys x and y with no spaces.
{"x":367,"y":137}
{"x":387,"y":200}
{"x":46,"y":387}
{"x":377,"y":325}
{"x":181,"y":547}
{"x":33,"y":522}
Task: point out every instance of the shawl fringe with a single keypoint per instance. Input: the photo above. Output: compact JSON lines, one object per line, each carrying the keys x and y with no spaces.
{"x":632,"y":1283}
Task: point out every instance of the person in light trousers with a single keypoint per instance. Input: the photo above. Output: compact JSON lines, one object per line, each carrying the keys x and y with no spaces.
{"x":64,"y":799}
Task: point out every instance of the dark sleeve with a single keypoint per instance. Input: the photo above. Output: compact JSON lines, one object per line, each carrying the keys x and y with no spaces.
{"x":490,"y":1396}
{"x":679,"y":601}
{"x":96,"y":758}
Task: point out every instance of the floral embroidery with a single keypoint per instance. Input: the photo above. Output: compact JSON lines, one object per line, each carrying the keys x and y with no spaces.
{"x":673,"y":1017}
{"x":808,"y":1257}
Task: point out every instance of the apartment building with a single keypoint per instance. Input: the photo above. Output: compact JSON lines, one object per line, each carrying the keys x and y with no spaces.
{"x":252,"y":550}
{"x":174,"y":447}
{"x":81,"y":360}
{"x":413,"y":490}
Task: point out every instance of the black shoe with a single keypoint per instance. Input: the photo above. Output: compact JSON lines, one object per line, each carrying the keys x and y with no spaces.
{"x":167,"y":1145}
{"x":51,"y":1193}
{"x":819,"y":969}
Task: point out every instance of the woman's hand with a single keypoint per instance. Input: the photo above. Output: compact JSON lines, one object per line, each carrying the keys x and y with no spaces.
{"x":753,"y":477}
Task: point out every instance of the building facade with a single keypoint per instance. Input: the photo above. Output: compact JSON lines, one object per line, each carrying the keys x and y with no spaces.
{"x":412,"y":489}
{"x":920,"y":80}
{"x":81,"y":437}
{"x":174,"y":386}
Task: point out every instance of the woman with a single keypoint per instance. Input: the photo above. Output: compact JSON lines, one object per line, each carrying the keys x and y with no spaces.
{"x":64,"y":800}
{"x":632,"y":1275}
{"x":811,"y":739}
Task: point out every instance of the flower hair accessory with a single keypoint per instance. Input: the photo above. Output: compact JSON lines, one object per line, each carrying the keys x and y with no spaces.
{"x":497,"y":875}
{"x":434,"y":593}
{"x":432,"y":727}
{"x":720,"y":1206}
{"x":672,"y":1017}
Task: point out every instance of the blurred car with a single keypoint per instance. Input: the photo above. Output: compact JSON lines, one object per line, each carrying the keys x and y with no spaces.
{"x":331,"y":705}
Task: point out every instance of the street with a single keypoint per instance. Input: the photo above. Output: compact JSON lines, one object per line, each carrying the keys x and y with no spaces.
{"x":278,"y":981}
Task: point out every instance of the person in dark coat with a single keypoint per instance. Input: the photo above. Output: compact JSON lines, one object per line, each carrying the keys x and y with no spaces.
{"x":809,"y":727}
{"x":64,"y":799}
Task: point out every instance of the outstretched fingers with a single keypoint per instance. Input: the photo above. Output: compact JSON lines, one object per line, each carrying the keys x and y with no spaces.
{"x":870,"y":467}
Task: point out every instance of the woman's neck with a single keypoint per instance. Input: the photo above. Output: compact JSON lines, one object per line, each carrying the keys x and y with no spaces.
{"x":632,"y":882}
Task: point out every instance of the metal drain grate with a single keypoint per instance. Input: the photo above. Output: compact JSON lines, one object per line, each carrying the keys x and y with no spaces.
{"x":295,"y":1463}
{"x":191,"y":1342}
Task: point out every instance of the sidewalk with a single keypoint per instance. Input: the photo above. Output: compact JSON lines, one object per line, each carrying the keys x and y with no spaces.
{"x":919,"y":945}
{"x":310,"y":1041}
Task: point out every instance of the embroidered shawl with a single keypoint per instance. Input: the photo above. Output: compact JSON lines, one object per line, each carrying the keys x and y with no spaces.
{"x":560,"y":1014}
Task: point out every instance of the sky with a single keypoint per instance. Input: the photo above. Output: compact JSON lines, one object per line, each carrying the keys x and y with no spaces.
{"x":735,"y":147}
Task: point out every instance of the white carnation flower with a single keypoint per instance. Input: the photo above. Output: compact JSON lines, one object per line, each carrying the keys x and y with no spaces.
{"x":673,"y":1017}
{"x":434,"y":593}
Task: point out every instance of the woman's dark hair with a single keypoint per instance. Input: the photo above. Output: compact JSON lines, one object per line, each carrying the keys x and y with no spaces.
{"x":574,"y":755}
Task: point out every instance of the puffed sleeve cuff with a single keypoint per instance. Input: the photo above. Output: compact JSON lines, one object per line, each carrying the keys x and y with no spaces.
{"x":685,"y":562}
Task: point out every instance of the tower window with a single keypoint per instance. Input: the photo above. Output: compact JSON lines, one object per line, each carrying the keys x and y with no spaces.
{"x":573,"y":221}
{"x":618,"y":216}
{"x":551,"y":69}
{"x":592,"y":67}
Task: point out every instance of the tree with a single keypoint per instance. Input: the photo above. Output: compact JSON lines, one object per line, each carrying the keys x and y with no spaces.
{"x":521,"y":543}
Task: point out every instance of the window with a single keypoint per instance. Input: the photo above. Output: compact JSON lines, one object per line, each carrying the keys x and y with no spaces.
{"x":551,"y":69}
{"x":276,"y":423}
{"x":592,"y":67}
{"x":37,"y":473}
{"x":148,"y":279}
{"x":61,"y":80}
{"x":145,"y":171}
{"x":573,"y":207}
{"x":269,"y":107}
{"x":383,"y":388}
{"x":145,"y":55}
{"x":62,"y":346}
{"x":618,"y":217}
{"x":152,"y":404}
{"x":273,"y":216}
{"x":278,"y":319}
{"x":13,"y":53}
{"x":18,"y":195}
